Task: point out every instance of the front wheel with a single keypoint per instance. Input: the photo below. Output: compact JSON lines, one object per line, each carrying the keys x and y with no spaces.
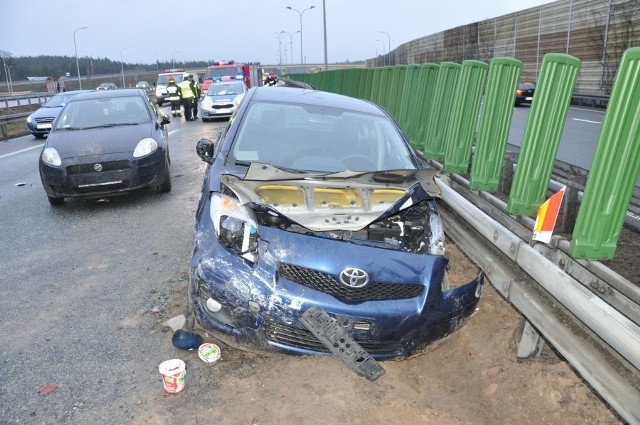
{"x":166,"y":184}
{"x":55,"y":201}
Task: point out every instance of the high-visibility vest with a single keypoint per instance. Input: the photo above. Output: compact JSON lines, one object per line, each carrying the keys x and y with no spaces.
{"x":186,"y":90}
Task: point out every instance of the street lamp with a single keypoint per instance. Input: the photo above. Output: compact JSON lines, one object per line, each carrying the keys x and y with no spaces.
{"x":279,"y":48}
{"x":173,"y":58}
{"x":290,"y":42}
{"x":385,"y":59}
{"x":122,"y":65}
{"x":300,"y":13}
{"x":76,"y":49}
{"x":388,"y":44}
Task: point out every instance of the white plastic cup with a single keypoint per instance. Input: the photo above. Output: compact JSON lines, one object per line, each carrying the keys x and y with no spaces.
{"x":172,"y":372}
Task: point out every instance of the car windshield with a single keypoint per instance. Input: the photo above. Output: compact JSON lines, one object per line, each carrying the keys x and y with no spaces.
{"x":225,"y":89}
{"x":319,"y":139}
{"x":59,"y":100}
{"x":219,"y":73}
{"x":103,"y":112}
{"x":164,"y":79}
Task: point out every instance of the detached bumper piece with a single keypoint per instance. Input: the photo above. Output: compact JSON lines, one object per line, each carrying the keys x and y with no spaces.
{"x":338,"y":341}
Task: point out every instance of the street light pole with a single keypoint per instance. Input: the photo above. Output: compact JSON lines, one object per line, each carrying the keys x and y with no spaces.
{"x":300,"y":13}
{"x":290,"y":42}
{"x":75,"y":47}
{"x":122,"y":65}
{"x":173,"y":58}
{"x":388,"y":44}
{"x":384,"y":62}
{"x":324,"y":24}
{"x":279,"y":48}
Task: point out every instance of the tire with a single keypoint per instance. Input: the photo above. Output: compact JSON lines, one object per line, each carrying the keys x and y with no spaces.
{"x":55,"y":201}
{"x":165,"y":187}
{"x":159,"y":103}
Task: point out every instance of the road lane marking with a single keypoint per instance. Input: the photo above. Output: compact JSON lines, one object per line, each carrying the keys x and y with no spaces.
{"x":589,"y":121}
{"x":20,"y":151}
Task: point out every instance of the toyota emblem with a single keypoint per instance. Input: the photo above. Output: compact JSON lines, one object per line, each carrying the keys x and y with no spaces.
{"x":97,"y":167}
{"x":352,"y":277}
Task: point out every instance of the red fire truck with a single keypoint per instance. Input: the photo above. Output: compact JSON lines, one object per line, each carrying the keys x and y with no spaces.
{"x":250,"y":73}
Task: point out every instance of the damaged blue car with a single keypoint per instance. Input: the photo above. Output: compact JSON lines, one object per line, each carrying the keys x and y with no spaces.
{"x":313,"y":200}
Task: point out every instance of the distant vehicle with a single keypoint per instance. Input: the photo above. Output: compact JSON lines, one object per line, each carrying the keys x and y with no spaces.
{"x":40,"y":121}
{"x":107,"y":86}
{"x":144,"y":85}
{"x":251,"y":74}
{"x":163,"y":79}
{"x":316,"y":202}
{"x":524,"y":93}
{"x":106,"y":143}
{"x":222,"y":99}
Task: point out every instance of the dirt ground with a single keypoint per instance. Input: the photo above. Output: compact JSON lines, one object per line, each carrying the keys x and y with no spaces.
{"x":473,"y":378}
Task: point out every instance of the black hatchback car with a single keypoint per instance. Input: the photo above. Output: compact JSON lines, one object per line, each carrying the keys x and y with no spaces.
{"x":106,"y":143}
{"x":524,"y":93}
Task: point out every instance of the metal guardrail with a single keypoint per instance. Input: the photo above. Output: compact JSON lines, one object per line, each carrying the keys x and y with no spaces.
{"x":553,"y":293}
{"x":590,"y":99}
{"x":8,"y":119}
{"x":24,"y":98}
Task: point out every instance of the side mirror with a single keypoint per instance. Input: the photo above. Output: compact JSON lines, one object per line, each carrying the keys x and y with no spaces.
{"x":205,"y":149}
{"x":165,"y":120}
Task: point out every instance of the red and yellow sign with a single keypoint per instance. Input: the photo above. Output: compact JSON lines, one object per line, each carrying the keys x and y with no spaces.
{"x":547,"y":215}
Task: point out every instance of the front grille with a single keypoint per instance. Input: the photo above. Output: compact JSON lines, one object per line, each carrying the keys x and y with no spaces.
{"x":324,"y":282}
{"x":222,"y":105}
{"x":106,"y":166}
{"x":44,"y":120}
{"x":304,"y":339}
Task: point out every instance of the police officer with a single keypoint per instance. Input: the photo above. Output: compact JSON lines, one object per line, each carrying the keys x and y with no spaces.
{"x":187,"y":98}
{"x":195,"y":88}
{"x":175,"y":96}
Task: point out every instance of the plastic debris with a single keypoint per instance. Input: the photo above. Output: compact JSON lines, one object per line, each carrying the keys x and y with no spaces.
{"x":176,"y":322}
{"x":209,"y":352}
{"x":47,"y":389}
{"x":186,"y":340}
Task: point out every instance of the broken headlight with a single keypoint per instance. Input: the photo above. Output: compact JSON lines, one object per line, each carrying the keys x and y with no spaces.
{"x":235,"y":225}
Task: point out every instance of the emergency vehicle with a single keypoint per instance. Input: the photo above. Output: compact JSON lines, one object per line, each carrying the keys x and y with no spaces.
{"x":163,"y":79}
{"x":250,"y":73}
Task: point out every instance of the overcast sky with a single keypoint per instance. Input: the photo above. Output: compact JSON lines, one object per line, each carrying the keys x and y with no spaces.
{"x":247,"y":31}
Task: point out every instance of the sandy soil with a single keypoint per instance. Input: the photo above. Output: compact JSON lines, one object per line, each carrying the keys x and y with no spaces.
{"x":473,"y":378}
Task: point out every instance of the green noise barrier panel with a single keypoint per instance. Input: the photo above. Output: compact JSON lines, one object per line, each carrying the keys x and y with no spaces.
{"x":422,"y":102}
{"x":614,"y":169}
{"x":463,"y":121}
{"x":440,"y":111}
{"x":543,"y":132}
{"x":495,"y":123}
{"x":408,"y":93}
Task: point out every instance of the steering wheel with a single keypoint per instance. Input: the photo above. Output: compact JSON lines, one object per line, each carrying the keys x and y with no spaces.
{"x":359,"y":161}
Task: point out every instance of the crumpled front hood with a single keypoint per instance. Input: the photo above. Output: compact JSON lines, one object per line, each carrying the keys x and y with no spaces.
{"x":346,"y":200}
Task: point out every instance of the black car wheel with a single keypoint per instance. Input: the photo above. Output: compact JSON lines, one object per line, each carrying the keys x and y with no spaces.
{"x":55,"y":201}
{"x":166,"y":184}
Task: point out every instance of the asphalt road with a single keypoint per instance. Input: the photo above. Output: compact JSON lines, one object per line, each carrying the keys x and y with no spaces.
{"x":82,"y":284}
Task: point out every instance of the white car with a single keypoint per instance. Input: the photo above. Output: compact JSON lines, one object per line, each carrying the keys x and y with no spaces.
{"x":222,"y":99}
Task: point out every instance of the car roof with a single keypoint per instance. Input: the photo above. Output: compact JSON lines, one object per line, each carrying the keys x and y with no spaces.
{"x":312,"y":97}
{"x":97,"y":94}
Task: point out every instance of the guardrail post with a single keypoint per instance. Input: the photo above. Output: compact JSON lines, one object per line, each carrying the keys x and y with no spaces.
{"x":495,"y":122}
{"x":543,"y":132}
{"x":614,"y":169}
{"x":436,"y":125}
{"x":463,"y":121}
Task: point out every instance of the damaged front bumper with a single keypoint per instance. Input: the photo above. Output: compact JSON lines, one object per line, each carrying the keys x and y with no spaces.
{"x":258,"y":306}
